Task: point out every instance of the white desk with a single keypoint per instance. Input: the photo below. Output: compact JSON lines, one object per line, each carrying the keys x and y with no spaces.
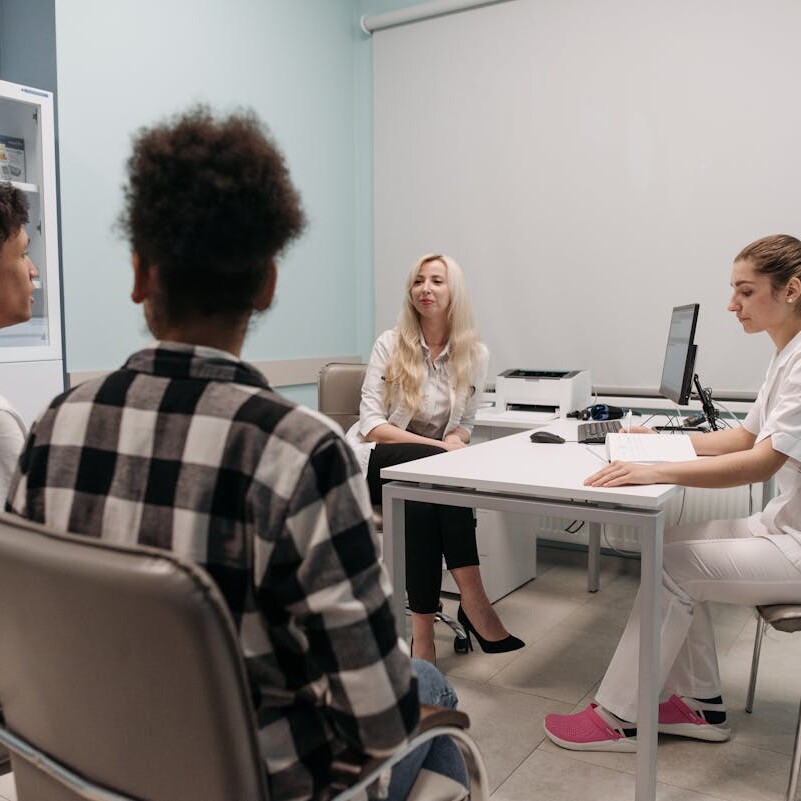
{"x":512,"y":474}
{"x":491,"y":424}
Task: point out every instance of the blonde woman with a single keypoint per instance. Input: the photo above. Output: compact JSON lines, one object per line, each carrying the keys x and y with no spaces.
{"x":419,"y":398}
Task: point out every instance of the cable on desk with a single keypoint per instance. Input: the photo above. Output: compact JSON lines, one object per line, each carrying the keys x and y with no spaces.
{"x":588,"y":448}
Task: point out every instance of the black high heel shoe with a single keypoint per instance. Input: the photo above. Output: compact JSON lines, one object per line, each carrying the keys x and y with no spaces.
{"x":508,"y":643}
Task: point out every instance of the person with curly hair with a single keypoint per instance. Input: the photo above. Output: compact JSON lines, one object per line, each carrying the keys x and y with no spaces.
{"x":419,"y":398}
{"x":17,"y":276}
{"x":187,"y":448}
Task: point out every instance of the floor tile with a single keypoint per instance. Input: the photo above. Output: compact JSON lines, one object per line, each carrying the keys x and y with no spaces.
{"x":563,"y":665}
{"x":721,"y":770}
{"x":8,"y":792}
{"x":506,"y":725}
{"x":556,"y":777}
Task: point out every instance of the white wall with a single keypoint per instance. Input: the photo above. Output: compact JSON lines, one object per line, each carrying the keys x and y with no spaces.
{"x":591,"y":165}
{"x":365,"y":287}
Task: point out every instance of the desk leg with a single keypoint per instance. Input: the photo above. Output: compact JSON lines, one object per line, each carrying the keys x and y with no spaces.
{"x":394,"y":553}
{"x":594,"y":558}
{"x":649,"y":685}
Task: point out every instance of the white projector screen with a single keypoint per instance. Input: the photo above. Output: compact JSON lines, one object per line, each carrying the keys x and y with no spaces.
{"x":591,"y":165}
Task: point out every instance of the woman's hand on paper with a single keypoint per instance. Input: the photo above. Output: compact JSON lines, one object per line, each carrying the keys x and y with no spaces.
{"x":618,"y":474}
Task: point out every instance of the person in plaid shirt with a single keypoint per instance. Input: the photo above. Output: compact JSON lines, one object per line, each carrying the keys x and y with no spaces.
{"x":187,"y":448}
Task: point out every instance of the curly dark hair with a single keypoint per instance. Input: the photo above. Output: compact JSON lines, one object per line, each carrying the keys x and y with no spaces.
{"x":13,"y":210}
{"x":210,"y":202}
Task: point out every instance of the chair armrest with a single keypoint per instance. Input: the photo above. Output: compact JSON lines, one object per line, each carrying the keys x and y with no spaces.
{"x":352,"y":773}
{"x":431,"y":716}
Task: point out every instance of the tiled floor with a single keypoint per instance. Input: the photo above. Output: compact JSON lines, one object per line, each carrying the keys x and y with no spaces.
{"x":570,"y":637}
{"x":7,"y":791}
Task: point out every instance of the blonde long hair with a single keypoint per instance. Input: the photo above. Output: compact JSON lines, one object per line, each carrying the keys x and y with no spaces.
{"x":405,"y":369}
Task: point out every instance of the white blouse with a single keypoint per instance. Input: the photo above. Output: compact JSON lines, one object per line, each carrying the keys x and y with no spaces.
{"x":776,"y":413}
{"x":12,"y":438}
{"x":440,"y":412}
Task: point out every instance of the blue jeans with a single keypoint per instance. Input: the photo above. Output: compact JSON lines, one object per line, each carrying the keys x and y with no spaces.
{"x":440,"y":755}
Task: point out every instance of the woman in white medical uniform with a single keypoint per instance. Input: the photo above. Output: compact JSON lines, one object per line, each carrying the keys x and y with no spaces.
{"x":751,"y":561}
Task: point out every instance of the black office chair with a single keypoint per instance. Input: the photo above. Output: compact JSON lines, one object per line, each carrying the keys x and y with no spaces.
{"x":339,"y":393}
{"x":122,"y":679}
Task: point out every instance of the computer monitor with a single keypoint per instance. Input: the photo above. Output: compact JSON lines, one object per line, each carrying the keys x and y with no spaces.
{"x":679,"y":364}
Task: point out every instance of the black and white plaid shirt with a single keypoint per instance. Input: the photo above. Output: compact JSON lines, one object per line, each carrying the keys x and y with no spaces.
{"x":188,"y":449}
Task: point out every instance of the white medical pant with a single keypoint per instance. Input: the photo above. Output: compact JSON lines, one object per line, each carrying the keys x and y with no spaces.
{"x":716,"y":561}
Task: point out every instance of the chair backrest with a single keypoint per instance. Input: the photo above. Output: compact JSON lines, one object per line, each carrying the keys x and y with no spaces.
{"x":123,"y":665}
{"x":339,"y":392}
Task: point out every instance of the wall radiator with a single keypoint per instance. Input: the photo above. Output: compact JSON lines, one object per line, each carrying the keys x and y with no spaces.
{"x":693,"y":506}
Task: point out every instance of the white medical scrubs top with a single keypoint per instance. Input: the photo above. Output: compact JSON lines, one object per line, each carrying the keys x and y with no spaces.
{"x":776,"y":413}
{"x":12,"y":438}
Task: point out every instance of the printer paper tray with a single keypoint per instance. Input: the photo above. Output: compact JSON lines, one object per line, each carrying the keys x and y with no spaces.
{"x":490,"y":416}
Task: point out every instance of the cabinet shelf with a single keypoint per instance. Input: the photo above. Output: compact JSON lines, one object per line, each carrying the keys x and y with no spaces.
{"x":31,"y":189}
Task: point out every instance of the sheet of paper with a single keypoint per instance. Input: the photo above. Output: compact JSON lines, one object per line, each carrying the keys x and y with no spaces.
{"x":647,"y":448}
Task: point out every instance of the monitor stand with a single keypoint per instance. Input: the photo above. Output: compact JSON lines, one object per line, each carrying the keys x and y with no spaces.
{"x":705,"y":395}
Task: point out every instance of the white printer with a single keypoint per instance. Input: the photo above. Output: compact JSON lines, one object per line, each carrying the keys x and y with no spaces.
{"x":556,"y":391}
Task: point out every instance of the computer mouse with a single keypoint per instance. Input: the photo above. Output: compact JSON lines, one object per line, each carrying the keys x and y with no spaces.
{"x":547,"y":436}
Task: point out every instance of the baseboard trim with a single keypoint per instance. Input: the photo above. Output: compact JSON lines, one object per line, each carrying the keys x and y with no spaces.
{"x":280,"y":373}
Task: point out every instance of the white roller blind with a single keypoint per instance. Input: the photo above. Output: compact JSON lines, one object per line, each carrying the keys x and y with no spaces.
{"x":591,"y":165}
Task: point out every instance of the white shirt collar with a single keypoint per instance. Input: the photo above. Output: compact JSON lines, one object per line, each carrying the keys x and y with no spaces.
{"x":445,"y":351}
{"x":784,"y":354}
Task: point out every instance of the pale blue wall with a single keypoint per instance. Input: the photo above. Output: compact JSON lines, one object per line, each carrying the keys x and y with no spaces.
{"x":303,"y":65}
{"x":126,"y":63}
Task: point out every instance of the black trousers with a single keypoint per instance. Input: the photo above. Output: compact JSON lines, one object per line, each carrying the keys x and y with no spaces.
{"x":431,"y":530}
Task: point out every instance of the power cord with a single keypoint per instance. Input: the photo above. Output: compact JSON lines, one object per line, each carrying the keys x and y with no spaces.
{"x":730,"y":413}
{"x":681,"y":508}
{"x":616,"y":551}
